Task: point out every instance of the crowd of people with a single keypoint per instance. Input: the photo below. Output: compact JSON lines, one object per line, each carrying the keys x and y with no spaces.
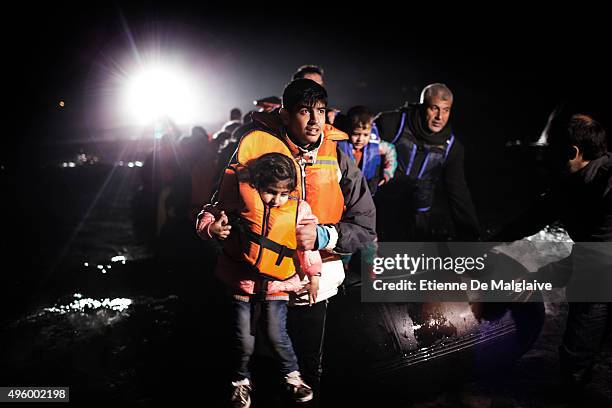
{"x":289,"y":192}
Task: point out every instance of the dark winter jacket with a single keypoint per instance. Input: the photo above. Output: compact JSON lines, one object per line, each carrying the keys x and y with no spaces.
{"x":582,"y":201}
{"x":426,"y":162}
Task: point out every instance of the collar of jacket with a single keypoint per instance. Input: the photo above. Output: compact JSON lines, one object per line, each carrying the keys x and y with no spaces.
{"x":309,"y":153}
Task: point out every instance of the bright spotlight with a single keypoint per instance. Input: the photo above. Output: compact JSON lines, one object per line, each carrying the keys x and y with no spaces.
{"x":159,"y":92}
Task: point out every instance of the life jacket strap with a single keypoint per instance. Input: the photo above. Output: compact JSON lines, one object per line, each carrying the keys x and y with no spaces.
{"x":265,"y":242}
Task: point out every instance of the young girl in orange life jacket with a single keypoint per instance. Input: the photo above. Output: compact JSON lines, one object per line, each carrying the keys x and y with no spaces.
{"x":273,"y":177}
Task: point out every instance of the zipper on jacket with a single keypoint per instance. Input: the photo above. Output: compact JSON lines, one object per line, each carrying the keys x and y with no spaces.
{"x":302,"y":163}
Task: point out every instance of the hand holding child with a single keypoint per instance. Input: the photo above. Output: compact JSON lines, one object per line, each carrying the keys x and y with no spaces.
{"x":220,"y":228}
{"x":306,"y":234}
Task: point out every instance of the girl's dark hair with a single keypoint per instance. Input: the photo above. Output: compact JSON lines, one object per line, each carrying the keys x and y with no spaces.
{"x":272,"y":168}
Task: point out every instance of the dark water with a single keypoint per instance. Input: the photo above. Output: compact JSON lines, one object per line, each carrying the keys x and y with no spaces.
{"x":88,"y":306}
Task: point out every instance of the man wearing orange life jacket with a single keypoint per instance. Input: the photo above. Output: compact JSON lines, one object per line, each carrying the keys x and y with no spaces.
{"x":335,"y":189}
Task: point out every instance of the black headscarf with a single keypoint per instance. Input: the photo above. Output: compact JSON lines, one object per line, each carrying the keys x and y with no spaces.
{"x":418,"y":126}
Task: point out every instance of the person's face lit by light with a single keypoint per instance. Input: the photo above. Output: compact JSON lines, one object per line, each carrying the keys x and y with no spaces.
{"x":305,"y":123}
{"x":437,"y":113}
{"x":360,"y":136}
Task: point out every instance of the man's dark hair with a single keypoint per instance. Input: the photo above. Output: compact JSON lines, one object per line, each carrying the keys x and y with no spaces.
{"x":303,"y":92}
{"x":235,"y":114}
{"x":307,"y":69}
{"x":359,"y":117}
{"x":579,"y":130}
{"x":272,"y":168}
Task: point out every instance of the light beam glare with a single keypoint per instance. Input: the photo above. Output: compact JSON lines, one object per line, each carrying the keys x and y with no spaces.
{"x":158,"y":92}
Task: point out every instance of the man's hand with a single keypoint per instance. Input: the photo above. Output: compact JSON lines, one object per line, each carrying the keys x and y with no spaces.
{"x":306,"y":235}
{"x":313,"y":289}
{"x":220,"y":228}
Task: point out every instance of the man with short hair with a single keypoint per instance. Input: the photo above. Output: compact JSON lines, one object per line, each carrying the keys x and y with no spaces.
{"x":313,"y":72}
{"x":428,"y":153}
{"x":337,"y":193}
{"x":581,"y":199}
{"x":303,"y":116}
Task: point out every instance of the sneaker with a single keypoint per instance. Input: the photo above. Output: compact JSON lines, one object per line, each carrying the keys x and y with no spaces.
{"x":241,"y":397}
{"x":297,"y":387}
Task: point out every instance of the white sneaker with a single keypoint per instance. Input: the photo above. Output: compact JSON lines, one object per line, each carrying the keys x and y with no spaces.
{"x":241,"y":397}
{"x":297,"y":387}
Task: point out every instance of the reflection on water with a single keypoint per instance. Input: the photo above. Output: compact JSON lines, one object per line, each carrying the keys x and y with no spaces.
{"x":105,"y":348}
{"x":88,"y":304}
{"x":79,"y":312}
{"x":105,"y":267}
{"x":88,"y":315}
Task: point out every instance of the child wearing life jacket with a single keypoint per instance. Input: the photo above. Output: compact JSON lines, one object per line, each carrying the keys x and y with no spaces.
{"x":259,"y":291}
{"x":376,"y":158}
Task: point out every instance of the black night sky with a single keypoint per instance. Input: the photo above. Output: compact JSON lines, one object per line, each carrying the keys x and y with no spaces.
{"x":507,"y":68}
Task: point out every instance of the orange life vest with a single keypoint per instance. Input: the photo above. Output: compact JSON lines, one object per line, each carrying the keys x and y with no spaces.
{"x":266,"y":239}
{"x":321,"y":177}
